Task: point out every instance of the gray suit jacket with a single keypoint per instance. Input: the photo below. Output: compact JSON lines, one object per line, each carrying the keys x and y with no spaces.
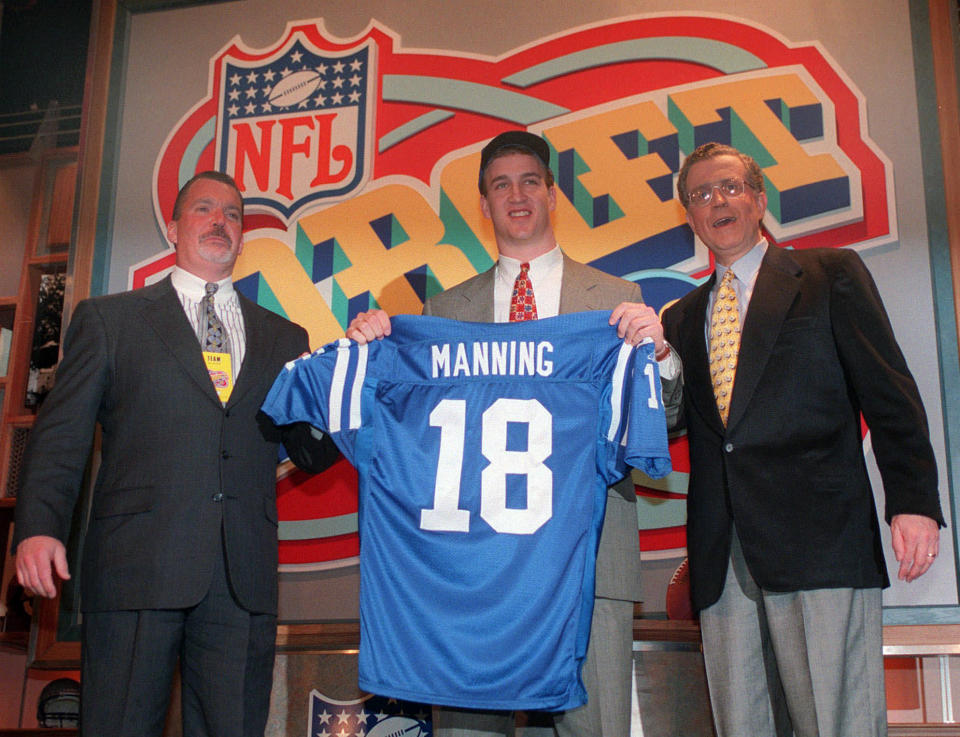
{"x":583,"y":288}
{"x":177,"y":466}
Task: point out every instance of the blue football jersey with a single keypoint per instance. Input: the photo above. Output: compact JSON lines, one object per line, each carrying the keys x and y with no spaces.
{"x":484,"y":453}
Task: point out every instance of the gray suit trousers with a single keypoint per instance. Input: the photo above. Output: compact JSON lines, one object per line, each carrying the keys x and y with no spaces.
{"x":803,"y":663}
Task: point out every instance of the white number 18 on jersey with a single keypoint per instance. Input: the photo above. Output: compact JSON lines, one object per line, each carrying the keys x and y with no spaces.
{"x":450,"y":416}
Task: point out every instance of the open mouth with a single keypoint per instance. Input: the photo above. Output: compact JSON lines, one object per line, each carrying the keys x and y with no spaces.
{"x":724,"y":221}
{"x":520,"y":213}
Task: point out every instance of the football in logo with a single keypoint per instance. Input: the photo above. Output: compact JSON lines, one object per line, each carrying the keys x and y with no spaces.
{"x":294,"y":88}
{"x":397,"y":726}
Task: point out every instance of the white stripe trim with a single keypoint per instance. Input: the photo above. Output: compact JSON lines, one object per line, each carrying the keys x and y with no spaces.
{"x":337,"y":384}
{"x":357,"y":391}
{"x":616,"y":393}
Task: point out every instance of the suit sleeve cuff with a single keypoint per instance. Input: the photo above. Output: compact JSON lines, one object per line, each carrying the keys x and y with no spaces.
{"x":669,"y":363}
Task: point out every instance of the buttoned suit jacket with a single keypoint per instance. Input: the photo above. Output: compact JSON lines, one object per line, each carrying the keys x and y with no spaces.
{"x":582,"y":288}
{"x":816,"y":350}
{"x":176,"y":466}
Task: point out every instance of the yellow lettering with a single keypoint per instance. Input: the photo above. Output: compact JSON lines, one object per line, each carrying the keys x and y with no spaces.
{"x":623,"y":180}
{"x":374,"y":266}
{"x":291,"y":285}
{"x":758,"y":131}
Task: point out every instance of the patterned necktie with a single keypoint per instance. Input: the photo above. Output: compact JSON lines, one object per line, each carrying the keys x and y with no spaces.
{"x":215,"y":337}
{"x":522,"y":304}
{"x":724,"y":343}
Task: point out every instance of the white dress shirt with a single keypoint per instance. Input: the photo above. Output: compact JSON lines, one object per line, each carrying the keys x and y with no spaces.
{"x":745,"y":270}
{"x":191,"y":291}
{"x":545,"y":274}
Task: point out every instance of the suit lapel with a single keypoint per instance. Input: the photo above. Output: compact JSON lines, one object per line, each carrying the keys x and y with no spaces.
{"x":774,"y":292}
{"x":476,"y":295}
{"x":577,"y":288}
{"x":164,"y":313}
{"x":477,"y":298}
{"x":696,"y":363}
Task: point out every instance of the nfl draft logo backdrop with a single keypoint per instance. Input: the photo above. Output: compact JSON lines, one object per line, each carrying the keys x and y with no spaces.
{"x":358,"y":162}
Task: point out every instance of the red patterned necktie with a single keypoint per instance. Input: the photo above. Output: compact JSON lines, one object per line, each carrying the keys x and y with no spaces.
{"x":522,"y":304}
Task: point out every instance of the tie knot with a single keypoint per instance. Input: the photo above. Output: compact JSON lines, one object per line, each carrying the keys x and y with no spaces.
{"x":728,"y":277}
{"x":211,"y":288}
{"x":524,"y":268}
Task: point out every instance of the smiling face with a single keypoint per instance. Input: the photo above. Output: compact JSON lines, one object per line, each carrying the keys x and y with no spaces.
{"x":208,"y":232}
{"x":519,"y":202}
{"x":728,"y":226}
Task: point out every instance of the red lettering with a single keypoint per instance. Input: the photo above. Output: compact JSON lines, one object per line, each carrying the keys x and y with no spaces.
{"x":257,"y":156}
{"x":288,"y":148}
{"x":325,"y":157}
{"x":253,"y":152}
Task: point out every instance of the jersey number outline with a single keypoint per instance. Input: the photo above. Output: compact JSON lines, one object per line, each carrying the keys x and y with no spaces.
{"x":450,"y":416}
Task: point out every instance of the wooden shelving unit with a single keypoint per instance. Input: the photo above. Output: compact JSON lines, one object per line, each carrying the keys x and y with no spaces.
{"x":44,"y":221}
{"x":44,"y":253}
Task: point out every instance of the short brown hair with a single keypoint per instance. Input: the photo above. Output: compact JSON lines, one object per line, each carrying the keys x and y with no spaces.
{"x":710,"y":151}
{"x":507,"y":151}
{"x":217,"y":176}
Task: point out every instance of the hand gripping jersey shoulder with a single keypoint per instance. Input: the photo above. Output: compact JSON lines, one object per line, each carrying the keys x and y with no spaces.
{"x":484,"y":452}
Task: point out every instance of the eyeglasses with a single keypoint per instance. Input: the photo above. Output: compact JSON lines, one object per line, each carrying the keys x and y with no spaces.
{"x":702,"y":196}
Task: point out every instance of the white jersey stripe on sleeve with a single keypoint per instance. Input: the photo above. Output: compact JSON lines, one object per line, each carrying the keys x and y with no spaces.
{"x":356,"y":392}
{"x":616,"y":393}
{"x":337,"y":384}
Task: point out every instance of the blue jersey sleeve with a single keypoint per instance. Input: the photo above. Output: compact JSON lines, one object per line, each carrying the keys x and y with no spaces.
{"x":635,"y":428}
{"x":324,"y":389}
{"x":646,"y":441}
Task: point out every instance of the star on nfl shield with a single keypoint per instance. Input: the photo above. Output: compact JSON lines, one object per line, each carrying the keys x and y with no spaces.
{"x":294,"y":123}
{"x":372,"y":716}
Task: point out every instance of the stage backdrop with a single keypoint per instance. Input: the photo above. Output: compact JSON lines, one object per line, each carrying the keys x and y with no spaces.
{"x":354,"y":130}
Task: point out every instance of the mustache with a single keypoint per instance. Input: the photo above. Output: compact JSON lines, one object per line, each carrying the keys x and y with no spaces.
{"x":217,"y":231}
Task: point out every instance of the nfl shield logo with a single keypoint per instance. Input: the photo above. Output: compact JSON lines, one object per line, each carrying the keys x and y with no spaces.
{"x":371,"y":716}
{"x":293,"y":125}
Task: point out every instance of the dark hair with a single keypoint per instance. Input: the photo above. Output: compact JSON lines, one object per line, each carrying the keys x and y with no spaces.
{"x":216,"y":176}
{"x":710,"y":151}
{"x":507,"y":151}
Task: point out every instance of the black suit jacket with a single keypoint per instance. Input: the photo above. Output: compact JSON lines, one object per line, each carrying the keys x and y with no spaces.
{"x":175,"y":465}
{"x":816,"y":350}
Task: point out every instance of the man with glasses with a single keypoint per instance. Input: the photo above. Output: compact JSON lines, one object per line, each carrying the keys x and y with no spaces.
{"x":180,"y":546}
{"x":782,"y":352}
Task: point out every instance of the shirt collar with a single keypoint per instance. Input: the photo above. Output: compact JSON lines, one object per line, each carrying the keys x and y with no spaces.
{"x":746,"y":267}
{"x":510,"y":267}
{"x":193,"y":286}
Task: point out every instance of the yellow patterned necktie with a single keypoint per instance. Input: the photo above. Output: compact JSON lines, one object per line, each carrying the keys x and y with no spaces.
{"x":724,"y":343}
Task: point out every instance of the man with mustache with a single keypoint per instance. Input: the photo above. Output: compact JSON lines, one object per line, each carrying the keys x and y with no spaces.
{"x":180,"y":550}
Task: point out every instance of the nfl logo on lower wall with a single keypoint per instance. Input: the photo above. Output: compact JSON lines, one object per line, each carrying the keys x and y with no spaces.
{"x":371,"y":716}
